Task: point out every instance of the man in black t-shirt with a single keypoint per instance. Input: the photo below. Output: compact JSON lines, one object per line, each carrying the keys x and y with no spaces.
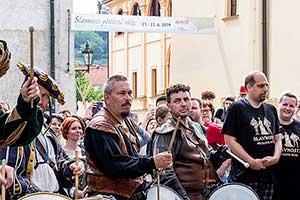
{"x":287,"y":169}
{"x":251,"y":130}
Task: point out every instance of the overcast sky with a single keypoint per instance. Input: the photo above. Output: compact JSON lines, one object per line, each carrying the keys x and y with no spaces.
{"x":85,"y":6}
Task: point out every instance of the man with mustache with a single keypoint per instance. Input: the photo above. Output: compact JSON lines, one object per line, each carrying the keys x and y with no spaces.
{"x":251,"y":130}
{"x":190,"y":149}
{"x":112,"y":145}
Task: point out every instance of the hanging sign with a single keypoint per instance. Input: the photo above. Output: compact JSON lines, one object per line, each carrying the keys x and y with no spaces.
{"x":128,"y":23}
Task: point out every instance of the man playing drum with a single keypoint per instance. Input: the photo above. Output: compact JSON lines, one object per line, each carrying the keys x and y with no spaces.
{"x":41,"y":165}
{"x":251,"y":131}
{"x":190,"y":149}
{"x":112,"y":147}
{"x":22,"y":124}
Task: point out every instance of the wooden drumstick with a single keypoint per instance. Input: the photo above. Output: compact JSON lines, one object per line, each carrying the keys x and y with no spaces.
{"x":173,"y":135}
{"x":158,"y":180}
{"x":31,"y":72}
{"x":76,"y":176}
{"x":3,"y":175}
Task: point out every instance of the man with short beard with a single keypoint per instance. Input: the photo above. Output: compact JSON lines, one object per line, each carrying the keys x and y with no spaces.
{"x":190,"y":149}
{"x":112,"y":145}
{"x":251,"y":130}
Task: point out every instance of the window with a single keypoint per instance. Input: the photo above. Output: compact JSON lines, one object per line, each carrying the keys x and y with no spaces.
{"x":134,"y":84}
{"x":154,"y":82}
{"x":169,"y":8}
{"x":231,"y":8}
{"x":120,"y":12}
{"x":136,"y":10}
{"x":155,"y":8}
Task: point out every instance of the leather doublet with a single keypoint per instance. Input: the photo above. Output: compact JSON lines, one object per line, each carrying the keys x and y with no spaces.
{"x":97,"y":180}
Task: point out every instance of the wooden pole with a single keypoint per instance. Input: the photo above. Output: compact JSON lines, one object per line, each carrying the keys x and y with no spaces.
{"x":3,"y":175}
{"x":76,"y":176}
{"x":31,"y":72}
{"x":173,"y":135}
{"x":158,"y":181}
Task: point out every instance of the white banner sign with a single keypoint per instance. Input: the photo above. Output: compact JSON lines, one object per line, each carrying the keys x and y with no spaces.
{"x":125,"y":23}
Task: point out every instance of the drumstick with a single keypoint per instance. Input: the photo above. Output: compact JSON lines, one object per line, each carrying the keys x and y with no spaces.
{"x":246,"y":165}
{"x":3,"y":175}
{"x":173,"y":135}
{"x":76,"y":175}
{"x":158,"y":180}
{"x":31,"y":72}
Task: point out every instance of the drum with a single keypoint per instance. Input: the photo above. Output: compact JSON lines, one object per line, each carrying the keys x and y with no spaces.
{"x":43,"y":196}
{"x":99,"y":197}
{"x":233,"y":191}
{"x":165,"y":193}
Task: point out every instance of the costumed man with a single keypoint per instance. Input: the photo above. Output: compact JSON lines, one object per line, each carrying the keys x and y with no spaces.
{"x":112,"y":147}
{"x":251,"y":130}
{"x":21,"y":125}
{"x":41,"y":165}
{"x":190,"y":150}
{"x":287,"y":170}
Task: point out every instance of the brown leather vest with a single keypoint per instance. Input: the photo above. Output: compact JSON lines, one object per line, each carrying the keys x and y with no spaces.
{"x":97,"y":180}
{"x":191,"y":162}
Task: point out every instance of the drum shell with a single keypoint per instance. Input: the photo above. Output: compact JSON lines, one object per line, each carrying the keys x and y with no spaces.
{"x":43,"y":196}
{"x":233,"y":191}
{"x":166,"y":193}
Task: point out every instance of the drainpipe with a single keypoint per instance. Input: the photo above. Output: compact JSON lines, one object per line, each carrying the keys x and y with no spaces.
{"x":52,"y":46}
{"x":265,"y":38}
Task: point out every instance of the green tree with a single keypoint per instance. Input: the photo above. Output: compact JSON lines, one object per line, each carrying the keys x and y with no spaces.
{"x":84,"y":92}
{"x":97,"y":42}
{"x":95,"y":95}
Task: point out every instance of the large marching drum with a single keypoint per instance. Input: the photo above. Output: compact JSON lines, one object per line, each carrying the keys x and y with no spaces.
{"x":233,"y":191}
{"x":43,"y":196}
{"x":165,"y":193}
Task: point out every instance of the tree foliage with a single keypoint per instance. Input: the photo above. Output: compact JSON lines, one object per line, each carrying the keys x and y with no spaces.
{"x":84,"y":91}
{"x":97,"y":41}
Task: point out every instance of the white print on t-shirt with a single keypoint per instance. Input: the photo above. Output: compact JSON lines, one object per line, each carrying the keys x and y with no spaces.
{"x":261,"y":127}
{"x":289,"y":139}
{"x":254,"y":123}
{"x":291,"y":146}
{"x":263,"y":133}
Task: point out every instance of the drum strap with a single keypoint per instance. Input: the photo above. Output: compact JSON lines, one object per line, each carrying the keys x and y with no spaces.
{"x":42,"y":152}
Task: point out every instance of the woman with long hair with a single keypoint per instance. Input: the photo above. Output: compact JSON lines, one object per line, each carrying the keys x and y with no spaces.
{"x":72,"y":130}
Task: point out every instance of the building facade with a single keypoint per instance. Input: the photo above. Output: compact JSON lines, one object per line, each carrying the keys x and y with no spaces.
{"x":143,"y":57}
{"x":249,"y":35}
{"x":240,"y":45}
{"x":15,"y":19}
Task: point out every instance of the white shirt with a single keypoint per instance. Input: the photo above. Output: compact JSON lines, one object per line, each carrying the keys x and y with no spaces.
{"x":43,"y":177}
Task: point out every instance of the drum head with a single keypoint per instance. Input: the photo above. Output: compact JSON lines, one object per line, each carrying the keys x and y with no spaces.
{"x":233,"y":191}
{"x":43,"y":196}
{"x":165,"y":193}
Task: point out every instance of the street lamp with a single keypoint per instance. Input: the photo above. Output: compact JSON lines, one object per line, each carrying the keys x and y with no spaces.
{"x":87,"y":55}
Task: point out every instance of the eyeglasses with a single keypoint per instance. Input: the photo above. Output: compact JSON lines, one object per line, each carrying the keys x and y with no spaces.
{"x":205,"y":110}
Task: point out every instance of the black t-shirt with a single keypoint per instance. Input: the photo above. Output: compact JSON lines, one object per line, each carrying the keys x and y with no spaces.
{"x":219,"y":114}
{"x":254,"y":129}
{"x":287,"y":170}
